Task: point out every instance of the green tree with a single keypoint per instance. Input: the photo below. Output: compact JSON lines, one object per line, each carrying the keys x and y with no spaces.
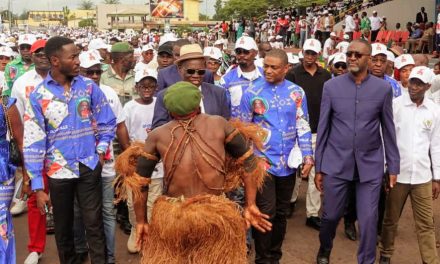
{"x":203,"y":17}
{"x":24,"y":15}
{"x":86,"y":23}
{"x":218,"y":10}
{"x":112,"y":2}
{"x":244,"y":8}
{"x":66,"y":12}
{"x":86,"y":5}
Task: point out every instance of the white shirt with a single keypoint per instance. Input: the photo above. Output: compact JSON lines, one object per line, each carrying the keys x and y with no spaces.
{"x":375,"y":23}
{"x":23,"y":87}
{"x":328,"y":44}
{"x":437,"y":26}
{"x":108,"y":170}
{"x":350,"y":26}
{"x":139,"y":118}
{"x":342,"y":46}
{"x":417,"y":134}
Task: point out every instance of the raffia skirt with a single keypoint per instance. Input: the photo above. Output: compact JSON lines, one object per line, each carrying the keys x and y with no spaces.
{"x":205,"y":229}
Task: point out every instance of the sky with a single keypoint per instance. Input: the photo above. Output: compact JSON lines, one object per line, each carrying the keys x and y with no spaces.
{"x":19,"y":5}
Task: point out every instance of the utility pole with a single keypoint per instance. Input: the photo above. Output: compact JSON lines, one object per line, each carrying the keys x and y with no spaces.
{"x":10,"y":15}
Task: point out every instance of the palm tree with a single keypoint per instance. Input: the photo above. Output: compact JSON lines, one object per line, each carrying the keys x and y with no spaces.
{"x":86,"y":5}
{"x":112,"y":2}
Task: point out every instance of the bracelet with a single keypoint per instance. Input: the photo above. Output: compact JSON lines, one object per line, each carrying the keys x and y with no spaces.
{"x":36,"y":190}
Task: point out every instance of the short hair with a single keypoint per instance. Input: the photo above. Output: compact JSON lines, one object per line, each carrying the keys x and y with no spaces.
{"x":365,"y":43}
{"x":181,"y":42}
{"x":279,"y":54}
{"x":437,"y":64}
{"x":115,"y":39}
{"x":55,"y":44}
{"x":264,"y":43}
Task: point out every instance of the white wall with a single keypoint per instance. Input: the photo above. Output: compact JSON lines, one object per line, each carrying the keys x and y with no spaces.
{"x":400,"y":11}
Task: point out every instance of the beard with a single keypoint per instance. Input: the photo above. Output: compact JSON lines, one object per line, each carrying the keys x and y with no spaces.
{"x":354,"y":69}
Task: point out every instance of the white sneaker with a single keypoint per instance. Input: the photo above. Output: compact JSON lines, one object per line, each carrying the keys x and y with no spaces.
{"x":131,"y":243}
{"x":33,"y":258}
{"x":19,"y":207}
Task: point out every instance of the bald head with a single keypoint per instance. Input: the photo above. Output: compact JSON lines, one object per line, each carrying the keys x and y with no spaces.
{"x":421,"y":60}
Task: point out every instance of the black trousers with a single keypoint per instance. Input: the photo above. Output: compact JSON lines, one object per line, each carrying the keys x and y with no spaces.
{"x":88,"y":190}
{"x":273,"y":200}
{"x":374,"y":35}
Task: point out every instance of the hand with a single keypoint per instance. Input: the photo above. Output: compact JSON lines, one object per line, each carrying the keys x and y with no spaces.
{"x":393,"y":180}
{"x":141,"y":234}
{"x":435,"y":190}
{"x":25,"y":190}
{"x":254,"y":217}
{"x":306,"y":170}
{"x":101,"y":159}
{"x":42,"y":201}
{"x":319,"y":177}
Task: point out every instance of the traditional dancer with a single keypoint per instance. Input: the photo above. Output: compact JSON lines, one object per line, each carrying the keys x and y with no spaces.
{"x":203,"y":155}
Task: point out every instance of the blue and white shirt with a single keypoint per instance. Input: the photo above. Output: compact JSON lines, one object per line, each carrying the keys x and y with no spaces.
{"x":397,"y":91}
{"x":281,"y":110}
{"x":236,"y":83}
{"x":62,"y":130}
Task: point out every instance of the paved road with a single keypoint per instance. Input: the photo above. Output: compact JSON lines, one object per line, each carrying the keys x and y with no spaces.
{"x":300,"y":246}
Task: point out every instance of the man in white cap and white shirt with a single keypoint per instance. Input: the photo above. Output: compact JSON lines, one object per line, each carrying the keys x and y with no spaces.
{"x":378,"y":66}
{"x":6,"y":55}
{"x":311,"y":78}
{"x":99,"y":45}
{"x":390,"y":67}
{"x":343,"y":45}
{"x":350,"y":25}
{"x":404,"y":64}
{"x":213,"y":62}
{"x":22,"y":63}
{"x":329,"y":46}
{"x":417,"y":121}
{"x":375,"y":25}
{"x":244,"y":75}
{"x":90,"y":67}
{"x":148,"y":60}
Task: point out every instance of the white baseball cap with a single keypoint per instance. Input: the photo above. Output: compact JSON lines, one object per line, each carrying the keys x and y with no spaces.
{"x":332,"y":34}
{"x":28,"y":39}
{"x":213,"y":53}
{"x":167,"y":37}
{"x":378,"y":48}
{"x":246,"y":43}
{"x":312,"y":44}
{"x":423,"y":73}
{"x":403,"y":60}
{"x":147,"y":47}
{"x":97,"y":43}
{"x":89,"y":58}
{"x":390,"y":56}
{"x":292,"y":59}
{"x":270,"y":38}
{"x":339,"y":57}
{"x":218,"y":42}
{"x":6,"y":51}
{"x":278,"y":37}
{"x":144,"y":73}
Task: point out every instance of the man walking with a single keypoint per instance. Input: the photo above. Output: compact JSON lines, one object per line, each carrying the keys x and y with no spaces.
{"x":280,"y":107}
{"x":58,"y":135}
{"x":355,"y":125}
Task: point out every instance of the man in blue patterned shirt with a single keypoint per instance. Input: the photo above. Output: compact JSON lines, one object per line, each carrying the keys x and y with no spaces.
{"x":280,"y":107}
{"x":66,"y":116}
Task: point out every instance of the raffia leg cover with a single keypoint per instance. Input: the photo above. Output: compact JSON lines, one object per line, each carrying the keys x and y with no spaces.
{"x":205,"y":229}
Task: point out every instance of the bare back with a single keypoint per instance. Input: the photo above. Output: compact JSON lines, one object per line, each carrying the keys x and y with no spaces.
{"x":194,"y":161}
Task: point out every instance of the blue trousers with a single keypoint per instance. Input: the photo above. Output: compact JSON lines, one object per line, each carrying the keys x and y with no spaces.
{"x":335,"y":199}
{"x":7,"y":237}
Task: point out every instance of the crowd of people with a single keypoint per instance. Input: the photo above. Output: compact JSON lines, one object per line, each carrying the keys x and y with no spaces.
{"x":148,"y":131}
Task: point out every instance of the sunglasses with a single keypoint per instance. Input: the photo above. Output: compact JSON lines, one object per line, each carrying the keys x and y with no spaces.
{"x":93,"y":72}
{"x":146,"y":88}
{"x":356,"y":54}
{"x":193,"y":71}
{"x":242,"y":51}
{"x":4,"y":57}
{"x":340,"y":65}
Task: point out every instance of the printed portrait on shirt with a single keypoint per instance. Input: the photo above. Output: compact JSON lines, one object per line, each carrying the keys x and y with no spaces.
{"x":83,"y":108}
{"x":12,"y":72}
{"x":259,"y":106}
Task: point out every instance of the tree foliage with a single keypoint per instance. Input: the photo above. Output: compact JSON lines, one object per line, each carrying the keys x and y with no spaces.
{"x":86,"y":5}
{"x":243,"y":8}
{"x":24,"y":15}
{"x":86,"y":23}
{"x":112,"y":2}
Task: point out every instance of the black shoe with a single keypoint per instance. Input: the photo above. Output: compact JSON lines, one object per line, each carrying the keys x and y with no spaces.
{"x":50,"y":224}
{"x":82,"y":257}
{"x":350,"y":231}
{"x":291,"y":210}
{"x":323,"y":256}
{"x":314,"y":222}
{"x":384,"y":260}
{"x":126,"y":227}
